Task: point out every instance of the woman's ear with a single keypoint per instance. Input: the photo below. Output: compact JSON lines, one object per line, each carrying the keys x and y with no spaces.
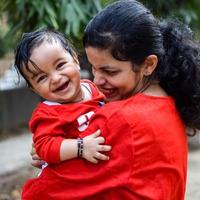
{"x":150,"y":64}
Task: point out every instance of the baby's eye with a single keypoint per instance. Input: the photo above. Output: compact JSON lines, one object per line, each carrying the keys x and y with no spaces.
{"x":41,"y":78}
{"x":60,"y":65}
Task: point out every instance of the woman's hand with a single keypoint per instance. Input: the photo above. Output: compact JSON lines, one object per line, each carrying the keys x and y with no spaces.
{"x":36,"y":161}
{"x":93,"y":147}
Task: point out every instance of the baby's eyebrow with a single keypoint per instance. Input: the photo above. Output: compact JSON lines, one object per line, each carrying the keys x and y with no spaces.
{"x":59,"y":60}
{"x":35,"y":75}
{"x":36,"y":71}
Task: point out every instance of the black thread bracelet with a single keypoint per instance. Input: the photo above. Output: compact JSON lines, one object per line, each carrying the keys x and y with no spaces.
{"x":80,"y":147}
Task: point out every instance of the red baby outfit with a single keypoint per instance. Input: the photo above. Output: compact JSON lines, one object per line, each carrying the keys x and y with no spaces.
{"x":148,"y":159}
{"x":53,"y":123}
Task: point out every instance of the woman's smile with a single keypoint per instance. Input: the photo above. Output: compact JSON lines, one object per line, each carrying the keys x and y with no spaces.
{"x":108,"y":92}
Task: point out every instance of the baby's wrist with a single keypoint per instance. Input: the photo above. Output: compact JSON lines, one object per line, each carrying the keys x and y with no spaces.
{"x":80,"y":147}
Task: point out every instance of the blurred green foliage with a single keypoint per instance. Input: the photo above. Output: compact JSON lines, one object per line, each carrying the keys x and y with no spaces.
{"x":186,"y":10}
{"x":67,"y":16}
{"x":71,"y":16}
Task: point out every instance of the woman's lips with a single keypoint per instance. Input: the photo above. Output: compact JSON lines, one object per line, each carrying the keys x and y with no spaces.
{"x":108,"y":92}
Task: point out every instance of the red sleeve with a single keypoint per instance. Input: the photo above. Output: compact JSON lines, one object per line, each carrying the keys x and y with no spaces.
{"x":47,"y":134}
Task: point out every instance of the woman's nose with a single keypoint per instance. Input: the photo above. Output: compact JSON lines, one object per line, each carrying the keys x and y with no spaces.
{"x":99,"y":79}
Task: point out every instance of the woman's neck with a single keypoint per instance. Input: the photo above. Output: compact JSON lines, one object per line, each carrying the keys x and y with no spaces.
{"x":155,"y":89}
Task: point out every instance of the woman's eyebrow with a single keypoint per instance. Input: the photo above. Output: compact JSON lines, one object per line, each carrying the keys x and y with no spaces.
{"x":107,"y":67}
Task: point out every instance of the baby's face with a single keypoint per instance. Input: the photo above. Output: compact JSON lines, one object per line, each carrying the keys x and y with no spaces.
{"x":56,"y":76}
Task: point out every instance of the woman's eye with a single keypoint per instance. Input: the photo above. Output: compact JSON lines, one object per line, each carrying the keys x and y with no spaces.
{"x":41,"y":78}
{"x":111,"y":72}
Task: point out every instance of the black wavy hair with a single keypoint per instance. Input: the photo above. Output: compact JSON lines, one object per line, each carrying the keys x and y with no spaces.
{"x":131,"y":33}
{"x":31,"y":40}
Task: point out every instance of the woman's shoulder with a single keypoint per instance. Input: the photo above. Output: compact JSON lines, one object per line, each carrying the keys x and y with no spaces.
{"x":142,"y":103}
{"x":140,"y":99}
{"x":139,"y":106}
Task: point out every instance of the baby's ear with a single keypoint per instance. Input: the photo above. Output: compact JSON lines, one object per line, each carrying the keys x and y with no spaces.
{"x":76,"y":59}
{"x":78,"y":66}
{"x":31,"y":88}
{"x":150,"y":64}
{"x":77,"y":62}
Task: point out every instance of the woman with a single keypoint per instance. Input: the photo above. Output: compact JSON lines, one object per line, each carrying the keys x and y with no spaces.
{"x":151,"y":70}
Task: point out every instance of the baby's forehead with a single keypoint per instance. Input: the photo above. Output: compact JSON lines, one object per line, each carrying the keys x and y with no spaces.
{"x":49,"y":41}
{"x":47,"y":49}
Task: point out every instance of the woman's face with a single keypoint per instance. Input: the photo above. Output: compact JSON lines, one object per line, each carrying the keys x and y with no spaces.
{"x":114,"y":78}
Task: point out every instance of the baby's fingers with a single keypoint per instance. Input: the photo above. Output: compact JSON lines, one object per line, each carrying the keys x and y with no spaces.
{"x":100,"y":139}
{"x":101,"y":156}
{"x":104,"y":148}
{"x":93,"y":160}
{"x":96,"y":134}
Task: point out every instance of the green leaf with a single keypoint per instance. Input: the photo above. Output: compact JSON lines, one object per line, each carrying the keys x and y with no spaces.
{"x":50,"y":11}
{"x":97,"y":5}
{"x":79,"y":9}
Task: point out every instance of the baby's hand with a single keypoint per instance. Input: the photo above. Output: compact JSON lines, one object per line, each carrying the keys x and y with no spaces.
{"x":93,"y":146}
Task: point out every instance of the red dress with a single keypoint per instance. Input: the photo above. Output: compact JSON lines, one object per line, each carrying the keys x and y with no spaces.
{"x":148,"y":158}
